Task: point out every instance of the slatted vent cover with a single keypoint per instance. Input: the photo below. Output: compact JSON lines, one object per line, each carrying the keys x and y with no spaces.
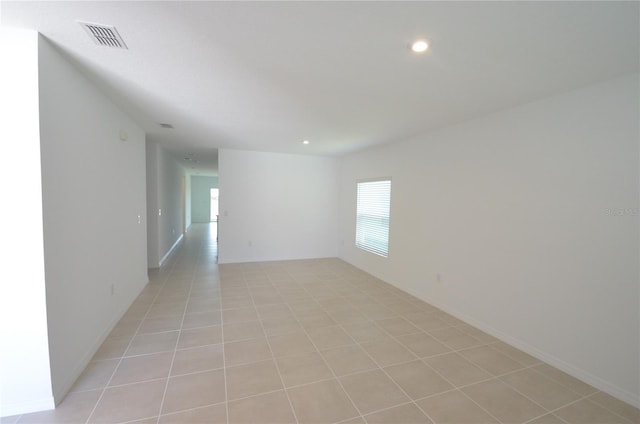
{"x":104,"y":35}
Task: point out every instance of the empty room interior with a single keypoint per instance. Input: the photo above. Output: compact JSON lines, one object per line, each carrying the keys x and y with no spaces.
{"x":320,"y":212}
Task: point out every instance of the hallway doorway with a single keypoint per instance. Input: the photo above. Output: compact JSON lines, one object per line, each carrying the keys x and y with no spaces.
{"x":214,"y":205}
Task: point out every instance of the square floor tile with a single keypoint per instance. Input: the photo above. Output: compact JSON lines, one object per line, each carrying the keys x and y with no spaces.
{"x":405,"y":414}
{"x":252,"y":379}
{"x":203,"y":319}
{"x":546,"y":392}
{"x":422,"y":344}
{"x":388,"y":352}
{"x":152,"y":343}
{"x":348,"y":359}
{"x":160,"y":325}
{"x":302,"y":369}
{"x":321,"y":402}
{"x":247,"y":351}
{"x":274,"y":326}
{"x":196,"y":359}
{"x":425,"y":321}
{"x":453,"y":408}
{"x":547,"y":419}
{"x":130,"y":402}
{"x":290,"y":344}
{"x":491,"y":360}
{"x":242,"y":331}
{"x":194,"y":390}
{"x":239,"y":315}
{"x":96,"y":375}
{"x":454,"y":338}
{"x":166,"y":309}
{"x":457,"y":370}
{"x":111,"y":348}
{"x":372,"y":391}
{"x":136,"y":369}
{"x":263,"y":409}
{"x":417,"y":379}
{"x":315,"y":320}
{"x":397,"y":326}
{"x":363,"y":332}
{"x":200,"y":337}
{"x":503,"y":402}
{"x":215,"y":414}
{"x":328,"y":337}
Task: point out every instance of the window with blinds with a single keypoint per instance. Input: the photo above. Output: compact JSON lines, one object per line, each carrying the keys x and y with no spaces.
{"x":372,"y":216}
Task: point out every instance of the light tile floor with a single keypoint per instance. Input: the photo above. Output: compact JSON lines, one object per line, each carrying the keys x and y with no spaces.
{"x":315,"y":341}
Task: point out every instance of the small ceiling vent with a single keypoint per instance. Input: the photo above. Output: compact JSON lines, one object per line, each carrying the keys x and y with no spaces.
{"x":104,"y":35}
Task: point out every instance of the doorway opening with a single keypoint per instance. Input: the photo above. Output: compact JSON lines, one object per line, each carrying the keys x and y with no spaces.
{"x":214,"y":205}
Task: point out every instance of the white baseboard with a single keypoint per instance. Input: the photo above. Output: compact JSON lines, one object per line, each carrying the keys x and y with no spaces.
{"x":171,"y":249}
{"x":61,"y":390}
{"x":573,"y":371}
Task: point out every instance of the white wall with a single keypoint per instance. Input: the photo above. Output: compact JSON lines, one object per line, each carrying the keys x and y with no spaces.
{"x":153,"y":246}
{"x":513,"y":211}
{"x":25,"y":379}
{"x":187,"y":218}
{"x":164,"y":194}
{"x":201,"y":197}
{"x":94,"y":214}
{"x":276,"y":206}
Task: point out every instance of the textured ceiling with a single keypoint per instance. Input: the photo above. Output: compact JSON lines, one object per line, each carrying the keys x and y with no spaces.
{"x":266,"y":75}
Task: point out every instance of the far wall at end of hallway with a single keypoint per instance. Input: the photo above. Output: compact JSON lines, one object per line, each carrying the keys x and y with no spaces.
{"x":201,"y":197}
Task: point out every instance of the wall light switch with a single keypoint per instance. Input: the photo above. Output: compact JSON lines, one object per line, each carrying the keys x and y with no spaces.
{"x":139,"y":219}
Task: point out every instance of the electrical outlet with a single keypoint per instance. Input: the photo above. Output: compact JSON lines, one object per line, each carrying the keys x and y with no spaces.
{"x":113,"y":289}
{"x":438,"y":278}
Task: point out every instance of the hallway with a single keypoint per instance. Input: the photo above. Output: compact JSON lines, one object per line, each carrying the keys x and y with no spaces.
{"x":308,"y":341}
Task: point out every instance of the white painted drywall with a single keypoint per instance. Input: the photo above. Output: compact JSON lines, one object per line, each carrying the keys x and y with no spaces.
{"x":276,"y":206}
{"x":201,"y":197}
{"x":153,"y":246}
{"x":187,"y":218}
{"x":25,"y":378}
{"x":93,"y":193}
{"x":518,"y":212}
{"x":164,"y":193}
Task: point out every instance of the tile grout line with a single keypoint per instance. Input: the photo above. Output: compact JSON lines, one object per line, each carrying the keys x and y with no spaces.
{"x":175,"y":349}
{"x":416,"y":357}
{"x":295,"y":317}
{"x":295,"y":416}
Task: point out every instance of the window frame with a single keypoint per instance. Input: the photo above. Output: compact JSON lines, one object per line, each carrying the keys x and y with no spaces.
{"x":361,"y":231}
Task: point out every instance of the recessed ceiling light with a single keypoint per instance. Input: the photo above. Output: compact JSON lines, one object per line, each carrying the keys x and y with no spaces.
{"x":419,"y":46}
{"x":305,"y":141}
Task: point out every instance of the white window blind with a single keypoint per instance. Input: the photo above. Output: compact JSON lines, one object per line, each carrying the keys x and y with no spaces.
{"x":372,"y":216}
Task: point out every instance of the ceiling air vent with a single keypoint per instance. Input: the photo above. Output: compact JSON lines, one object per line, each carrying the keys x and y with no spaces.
{"x":104,"y":35}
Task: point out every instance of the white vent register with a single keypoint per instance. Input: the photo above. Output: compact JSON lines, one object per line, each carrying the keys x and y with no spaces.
{"x":104,"y":35}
